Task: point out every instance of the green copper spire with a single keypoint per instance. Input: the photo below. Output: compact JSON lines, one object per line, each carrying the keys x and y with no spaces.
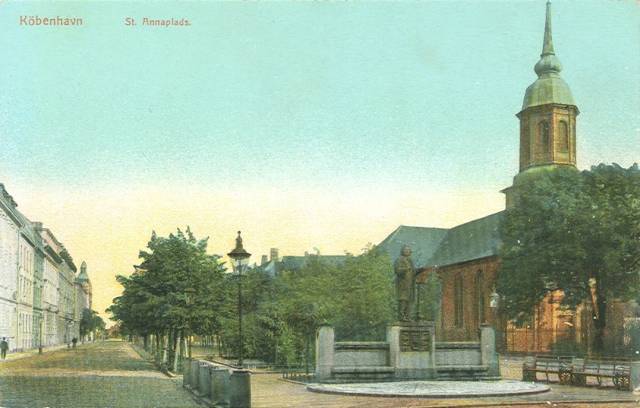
{"x":549,"y":88}
{"x":547,"y":46}
{"x":549,"y":63}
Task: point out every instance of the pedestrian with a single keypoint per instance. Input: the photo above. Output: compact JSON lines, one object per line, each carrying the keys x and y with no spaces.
{"x":4,"y":346}
{"x":74,"y":341}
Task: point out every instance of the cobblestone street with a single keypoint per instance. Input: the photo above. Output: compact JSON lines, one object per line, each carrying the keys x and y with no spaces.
{"x":107,"y":374}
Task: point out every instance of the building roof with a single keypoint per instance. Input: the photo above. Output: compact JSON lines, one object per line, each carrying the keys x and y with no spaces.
{"x":83,"y":276}
{"x":549,"y":88}
{"x":473,"y":240}
{"x":294,"y":263}
{"x":423,"y":242}
{"x":439,"y":247}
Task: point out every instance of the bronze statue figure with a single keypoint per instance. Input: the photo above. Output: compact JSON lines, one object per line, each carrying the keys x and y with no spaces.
{"x":405,"y":283}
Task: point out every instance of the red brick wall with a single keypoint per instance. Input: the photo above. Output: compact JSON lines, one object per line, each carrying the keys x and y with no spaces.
{"x":468,"y":330}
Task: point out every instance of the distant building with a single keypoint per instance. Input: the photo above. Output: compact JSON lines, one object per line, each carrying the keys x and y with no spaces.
{"x":275,"y":265}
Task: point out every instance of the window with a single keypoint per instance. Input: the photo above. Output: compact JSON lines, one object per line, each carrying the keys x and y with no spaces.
{"x":458,"y":301}
{"x":480,"y":297}
{"x":543,"y":129}
{"x":563,"y":136}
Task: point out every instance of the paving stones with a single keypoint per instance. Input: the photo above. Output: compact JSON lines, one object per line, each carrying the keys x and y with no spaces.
{"x":105,"y":374}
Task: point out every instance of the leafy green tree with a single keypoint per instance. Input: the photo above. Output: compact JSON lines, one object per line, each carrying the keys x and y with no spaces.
{"x":90,"y":322}
{"x":577,"y":232}
{"x":176,"y":291}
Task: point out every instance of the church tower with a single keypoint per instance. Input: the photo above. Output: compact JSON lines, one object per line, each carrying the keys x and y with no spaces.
{"x":547,"y":118}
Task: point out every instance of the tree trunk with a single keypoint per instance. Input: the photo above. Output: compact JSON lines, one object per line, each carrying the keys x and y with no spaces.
{"x":165,"y":346}
{"x":175,"y":352}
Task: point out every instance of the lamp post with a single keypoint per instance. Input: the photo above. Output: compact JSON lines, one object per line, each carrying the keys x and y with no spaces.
{"x":239,"y":258}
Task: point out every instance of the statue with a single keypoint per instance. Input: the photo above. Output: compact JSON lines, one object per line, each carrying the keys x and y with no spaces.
{"x":405,"y":283}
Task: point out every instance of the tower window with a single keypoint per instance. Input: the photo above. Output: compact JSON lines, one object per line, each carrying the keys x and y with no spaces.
{"x":563,"y":132}
{"x":543,"y":129}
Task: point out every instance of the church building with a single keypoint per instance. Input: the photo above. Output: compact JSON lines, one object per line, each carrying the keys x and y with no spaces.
{"x":465,"y":257}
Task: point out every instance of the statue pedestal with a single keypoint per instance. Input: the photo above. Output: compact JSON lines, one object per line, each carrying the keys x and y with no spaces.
{"x":412,"y":347}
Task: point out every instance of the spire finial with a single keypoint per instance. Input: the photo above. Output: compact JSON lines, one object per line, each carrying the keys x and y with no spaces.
{"x":549,"y":63}
{"x":547,"y":46}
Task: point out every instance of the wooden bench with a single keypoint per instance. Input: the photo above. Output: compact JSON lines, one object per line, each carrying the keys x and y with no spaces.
{"x":618,"y":371}
{"x":556,"y":365}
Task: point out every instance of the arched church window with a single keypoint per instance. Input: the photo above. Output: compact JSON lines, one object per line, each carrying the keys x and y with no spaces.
{"x":543,"y":129}
{"x":458,"y":301}
{"x":480,"y":297}
{"x":563,"y":132}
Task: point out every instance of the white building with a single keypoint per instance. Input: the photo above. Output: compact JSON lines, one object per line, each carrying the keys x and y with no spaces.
{"x":9,"y":247}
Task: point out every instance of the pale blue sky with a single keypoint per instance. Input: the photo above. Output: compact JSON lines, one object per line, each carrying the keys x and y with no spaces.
{"x":307,"y":124}
{"x":415,"y":93}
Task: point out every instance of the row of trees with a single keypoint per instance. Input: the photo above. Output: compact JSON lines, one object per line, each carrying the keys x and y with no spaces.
{"x":91,"y":324}
{"x":179,"y":290}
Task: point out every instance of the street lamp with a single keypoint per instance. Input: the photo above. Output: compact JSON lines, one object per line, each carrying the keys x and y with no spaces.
{"x":239,"y":258}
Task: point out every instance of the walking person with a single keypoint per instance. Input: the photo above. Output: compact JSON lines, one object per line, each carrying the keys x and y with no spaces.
{"x":4,"y":346}
{"x":74,"y":341}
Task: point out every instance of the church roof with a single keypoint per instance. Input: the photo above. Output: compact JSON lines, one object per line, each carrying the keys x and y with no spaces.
{"x":473,"y":240}
{"x":549,"y":87}
{"x":438,"y":246}
{"x":423,"y":241}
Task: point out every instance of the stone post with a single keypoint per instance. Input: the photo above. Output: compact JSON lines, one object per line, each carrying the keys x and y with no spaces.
{"x":490,"y":357}
{"x":325,"y":341}
{"x":195,"y":374}
{"x":240,"y":389}
{"x":393,"y":338}
{"x":219,"y":386}
{"x":204,"y":379}
{"x":634,"y":382}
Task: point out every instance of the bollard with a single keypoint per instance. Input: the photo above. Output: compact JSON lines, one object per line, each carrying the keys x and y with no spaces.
{"x":195,"y":375}
{"x":219,"y":386}
{"x":240,"y":389}
{"x":186,"y":373}
{"x":204,"y":380}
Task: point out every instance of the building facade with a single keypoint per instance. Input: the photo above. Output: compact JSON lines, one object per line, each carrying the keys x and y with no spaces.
{"x":41,"y":298}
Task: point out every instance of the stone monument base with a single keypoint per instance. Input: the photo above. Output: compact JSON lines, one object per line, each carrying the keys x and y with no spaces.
{"x":410,"y":352}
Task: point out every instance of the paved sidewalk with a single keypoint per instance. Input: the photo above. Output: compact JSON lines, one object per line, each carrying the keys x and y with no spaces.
{"x":23,"y":354}
{"x":106,"y":374}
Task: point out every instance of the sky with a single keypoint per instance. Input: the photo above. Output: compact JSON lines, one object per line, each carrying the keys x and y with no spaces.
{"x":311,"y":124}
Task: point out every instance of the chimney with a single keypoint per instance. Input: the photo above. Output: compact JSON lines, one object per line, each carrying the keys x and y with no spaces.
{"x":265,"y":259}
{"x":274,"y":254}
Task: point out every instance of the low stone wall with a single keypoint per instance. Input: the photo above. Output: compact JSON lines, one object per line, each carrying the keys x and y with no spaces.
{"x":410,"y":352}
{"x":354,"y":354}
{"x":458,"y":353}
{"x":217,"y":385}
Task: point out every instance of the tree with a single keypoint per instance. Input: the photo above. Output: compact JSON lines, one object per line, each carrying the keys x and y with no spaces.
{"x":575,"y":232}
{"x":90,"y":322}
{"x":176,"y":289}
